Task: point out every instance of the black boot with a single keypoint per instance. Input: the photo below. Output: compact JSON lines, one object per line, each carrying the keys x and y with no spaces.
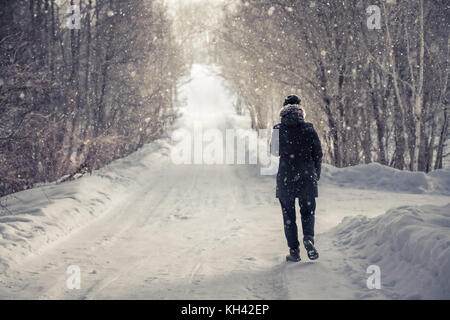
{"x":294,"y":255}
{"x":308,"y":242}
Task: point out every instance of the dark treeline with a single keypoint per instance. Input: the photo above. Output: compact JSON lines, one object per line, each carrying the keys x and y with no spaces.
{"x":373,"y":94}
{"x":73,"y":99}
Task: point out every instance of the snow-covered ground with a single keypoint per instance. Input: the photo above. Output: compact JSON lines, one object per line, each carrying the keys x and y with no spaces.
{"x":409,"y":244}
{"x":146,"y":228}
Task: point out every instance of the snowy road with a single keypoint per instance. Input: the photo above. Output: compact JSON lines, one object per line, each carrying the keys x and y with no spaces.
{"x":165,"y":244}
{"x":202,"y":232}
{"x":208,"y":232}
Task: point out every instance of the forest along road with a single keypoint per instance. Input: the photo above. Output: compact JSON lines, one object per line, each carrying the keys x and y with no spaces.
{"x":201,"y":232}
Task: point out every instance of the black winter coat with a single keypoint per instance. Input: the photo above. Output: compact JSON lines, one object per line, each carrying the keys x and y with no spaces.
{"x":300,"y":154}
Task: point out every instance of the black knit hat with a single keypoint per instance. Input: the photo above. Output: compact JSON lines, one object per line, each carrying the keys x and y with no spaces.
{"x":291,"y":99}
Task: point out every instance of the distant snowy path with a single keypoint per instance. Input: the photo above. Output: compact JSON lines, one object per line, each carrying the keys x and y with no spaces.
{"x":202,"y":232}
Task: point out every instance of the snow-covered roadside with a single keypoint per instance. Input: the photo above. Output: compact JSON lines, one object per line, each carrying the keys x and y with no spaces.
{"x":30,"y":220}
{"x":410,"y":245}
{"x":375,"y":176}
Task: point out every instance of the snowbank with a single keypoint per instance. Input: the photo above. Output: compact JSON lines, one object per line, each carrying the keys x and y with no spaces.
{"x":379,"y":177}
{"x":411,"y":245}
{"x":31,"y":219}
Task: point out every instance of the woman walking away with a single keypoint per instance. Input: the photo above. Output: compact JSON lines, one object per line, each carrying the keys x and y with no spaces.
{"x":298,"y":146}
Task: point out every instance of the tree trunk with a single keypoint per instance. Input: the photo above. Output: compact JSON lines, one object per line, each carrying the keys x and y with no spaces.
{"x":419,"y":95}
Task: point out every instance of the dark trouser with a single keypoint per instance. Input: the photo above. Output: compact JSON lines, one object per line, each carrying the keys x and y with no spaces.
{"x":307,"y":212}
